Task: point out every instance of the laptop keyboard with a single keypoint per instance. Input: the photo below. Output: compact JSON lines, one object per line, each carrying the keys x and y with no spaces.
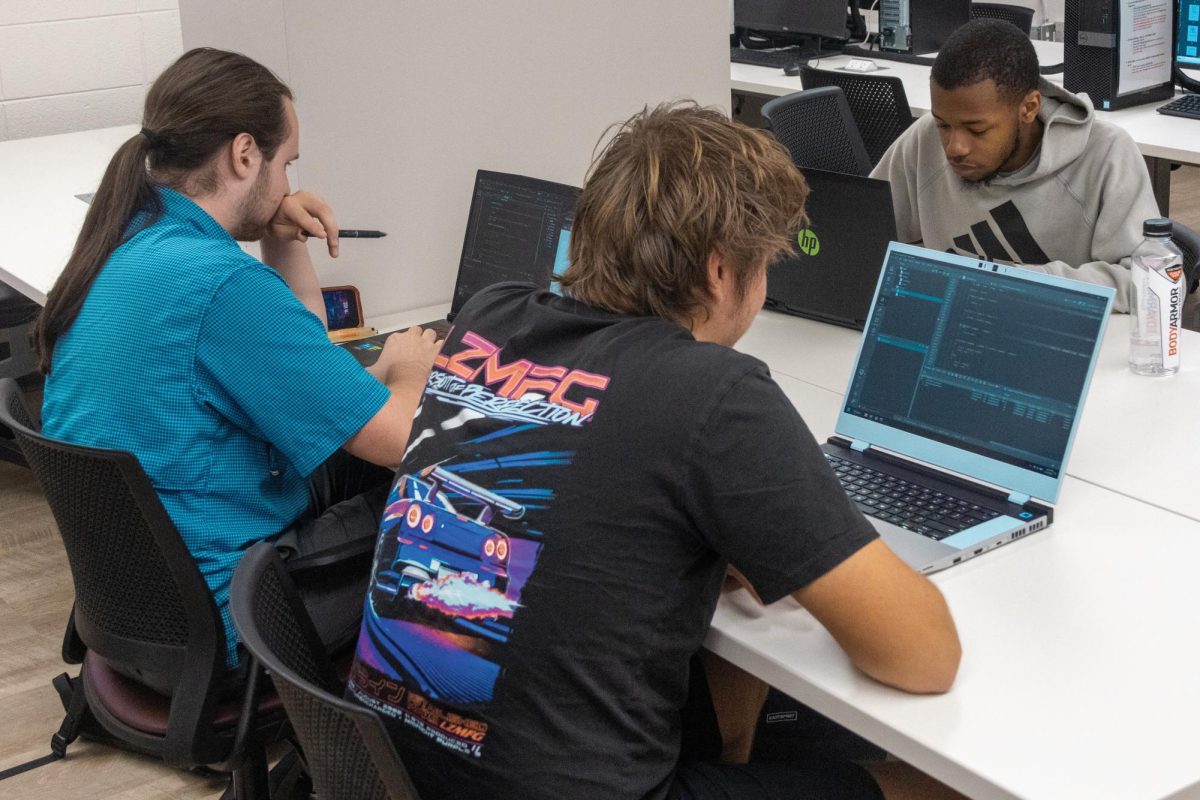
{"x":909,"y":505}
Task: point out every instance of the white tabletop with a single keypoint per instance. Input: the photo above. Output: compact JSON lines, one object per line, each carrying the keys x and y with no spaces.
{"x":39,"y":213}
{"x":1078,"y":674}
{"x":1079,"y":665}
{"x":1122,"y":443}
{"x":1156,"y":135}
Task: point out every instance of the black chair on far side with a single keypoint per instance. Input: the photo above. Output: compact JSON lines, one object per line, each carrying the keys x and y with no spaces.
{"x":877,"y":103}
{"x":348,"y":752}
{"x":1020,"y":16}
{"x":818,"y":130}
{"x":16,"y":312}
{"x":16,"y":355}
{"x":141,"y":602}
{"x":1188,"y":241}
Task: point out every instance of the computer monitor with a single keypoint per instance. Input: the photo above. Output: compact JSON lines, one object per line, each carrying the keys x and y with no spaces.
{"x":1187,"y":39}
{"x":793,"y":20}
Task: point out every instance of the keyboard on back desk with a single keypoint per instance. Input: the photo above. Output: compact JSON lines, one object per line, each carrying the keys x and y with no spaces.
{"x":1187,"y":105}
{"x":764,"y":58}
{"x":909,"y":505}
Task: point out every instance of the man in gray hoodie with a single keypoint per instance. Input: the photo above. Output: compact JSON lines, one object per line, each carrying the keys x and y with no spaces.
{"x":1012,"y":168}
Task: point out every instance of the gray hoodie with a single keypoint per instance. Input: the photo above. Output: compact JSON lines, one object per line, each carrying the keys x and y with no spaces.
{"x":1075,"y":210}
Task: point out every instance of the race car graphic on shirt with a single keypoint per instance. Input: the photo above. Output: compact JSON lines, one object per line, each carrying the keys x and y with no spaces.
{"x":459,"y":538}
{"x":453,"y":562}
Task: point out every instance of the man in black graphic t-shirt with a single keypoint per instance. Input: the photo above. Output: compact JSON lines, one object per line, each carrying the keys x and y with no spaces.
{"x":582,"y":471}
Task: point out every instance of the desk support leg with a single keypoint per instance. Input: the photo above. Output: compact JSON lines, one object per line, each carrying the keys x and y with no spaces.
{"x":1160,"y":182}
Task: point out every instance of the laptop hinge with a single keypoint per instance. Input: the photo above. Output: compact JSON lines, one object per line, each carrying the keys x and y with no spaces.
{"x":859,"y":446}
{"x":1017,"y":498}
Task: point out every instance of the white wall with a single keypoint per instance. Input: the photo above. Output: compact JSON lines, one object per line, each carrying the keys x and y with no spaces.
{"x":401,"y":102}
{"x":69,"y":65}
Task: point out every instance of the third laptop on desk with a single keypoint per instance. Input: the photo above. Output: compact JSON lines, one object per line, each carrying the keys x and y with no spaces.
{"x":518,"y":229}
{"x":831,"y":274}
{"x":954,"y":432}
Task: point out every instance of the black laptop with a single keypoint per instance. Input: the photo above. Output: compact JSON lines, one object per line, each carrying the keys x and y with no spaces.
{"x":834,"y":266}
{"x":518,"y":230}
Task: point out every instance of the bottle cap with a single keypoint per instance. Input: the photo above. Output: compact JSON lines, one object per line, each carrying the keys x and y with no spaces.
{"x":1157,"y":226}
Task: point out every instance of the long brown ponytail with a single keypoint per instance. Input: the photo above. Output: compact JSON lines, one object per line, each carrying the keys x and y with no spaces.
{"x":197,"y":105}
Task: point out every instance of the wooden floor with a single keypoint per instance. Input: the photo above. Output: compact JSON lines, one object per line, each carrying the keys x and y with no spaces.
{"x":35,"y":598}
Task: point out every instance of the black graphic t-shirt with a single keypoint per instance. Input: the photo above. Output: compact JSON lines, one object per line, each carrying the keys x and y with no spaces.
{"x":555,"y":542}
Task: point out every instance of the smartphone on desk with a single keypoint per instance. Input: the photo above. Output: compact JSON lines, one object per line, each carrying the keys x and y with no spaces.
{"x":343,"y":307}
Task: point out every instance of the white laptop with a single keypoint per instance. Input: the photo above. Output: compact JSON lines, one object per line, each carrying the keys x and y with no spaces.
{"x":954,"y":432}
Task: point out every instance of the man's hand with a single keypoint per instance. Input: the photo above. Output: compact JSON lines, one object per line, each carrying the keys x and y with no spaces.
{"x":404,"y":367}
{"x":304,"y":214}
{"x":407,"y":359}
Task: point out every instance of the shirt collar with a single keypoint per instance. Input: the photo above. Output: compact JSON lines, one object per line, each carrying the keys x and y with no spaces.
{"x":179,"y":207}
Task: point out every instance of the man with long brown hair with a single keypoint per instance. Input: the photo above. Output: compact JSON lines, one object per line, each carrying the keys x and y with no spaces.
{"x":162,"y":337}
{"x":583,"y":470}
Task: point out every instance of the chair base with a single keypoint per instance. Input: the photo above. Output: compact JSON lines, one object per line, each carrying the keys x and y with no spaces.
{"x":250,"y":779}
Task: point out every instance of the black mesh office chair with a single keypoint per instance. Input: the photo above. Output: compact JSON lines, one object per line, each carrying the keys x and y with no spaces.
{"x":818,"y":130}
{"x":140,"y":603}
{"x":16,"y":312}
{"x":1020,"y":16}
{"x":1188,"y":241}
{"x":348,"y":752}
{"x":877,"y":103}
{"x":16,"y":355}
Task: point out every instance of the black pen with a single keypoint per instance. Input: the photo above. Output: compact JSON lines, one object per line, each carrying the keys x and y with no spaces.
{"x":351,"y":233}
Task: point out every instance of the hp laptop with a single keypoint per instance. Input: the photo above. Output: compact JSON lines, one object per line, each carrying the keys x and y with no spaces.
{"x":517,"y":230}
{"x":954,"y":432}
{"x":834,"y":266}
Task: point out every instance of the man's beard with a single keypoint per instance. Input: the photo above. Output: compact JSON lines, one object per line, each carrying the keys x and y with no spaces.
{"x":986,"y":180}
{"x":252,"y":225}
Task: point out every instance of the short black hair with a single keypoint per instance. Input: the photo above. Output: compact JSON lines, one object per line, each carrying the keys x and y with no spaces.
{"x":988,"y":48}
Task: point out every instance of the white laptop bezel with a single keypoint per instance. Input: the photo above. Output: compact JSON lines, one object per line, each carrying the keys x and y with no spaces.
{"x":948,"y":457}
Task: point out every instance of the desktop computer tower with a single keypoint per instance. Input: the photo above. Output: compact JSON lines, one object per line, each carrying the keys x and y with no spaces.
{"x":1092,"y":54}
{"x":919,"y":26}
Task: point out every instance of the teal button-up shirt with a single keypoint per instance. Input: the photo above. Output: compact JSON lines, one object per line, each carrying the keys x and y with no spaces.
{"x":199,"y":360}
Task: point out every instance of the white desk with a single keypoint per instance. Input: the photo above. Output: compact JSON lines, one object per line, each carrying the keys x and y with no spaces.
{"x":1122,"y":443}
{"x":1160,"y":138}
{"x":39,"y":213}
{"x":1078,"y":677}
{"x":1078,"y":673}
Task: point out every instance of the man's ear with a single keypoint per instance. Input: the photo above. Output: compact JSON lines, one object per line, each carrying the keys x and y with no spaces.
{"x":1031,"y":106}
{"x":244,"y":156}
{"x":718,"y":276}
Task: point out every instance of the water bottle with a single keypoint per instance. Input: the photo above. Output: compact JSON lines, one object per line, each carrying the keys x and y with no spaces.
{"x":1157,"y":304}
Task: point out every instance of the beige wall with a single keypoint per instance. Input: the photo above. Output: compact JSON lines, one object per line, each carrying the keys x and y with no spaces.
{"x":401,"y":102}
{"x":71,"y":65}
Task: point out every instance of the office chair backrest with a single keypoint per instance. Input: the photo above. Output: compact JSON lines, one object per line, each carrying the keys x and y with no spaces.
{"x":1020,"y":16}
{"x":139,"y":598}
{"x":348,"y":751}
{"x":16,"y":312}
{"x":9,"y":449}
{"x":818,"y":130}
{"x":877,"y":103}
{"x":1188,"y":242}
{"x":14,"y":404}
